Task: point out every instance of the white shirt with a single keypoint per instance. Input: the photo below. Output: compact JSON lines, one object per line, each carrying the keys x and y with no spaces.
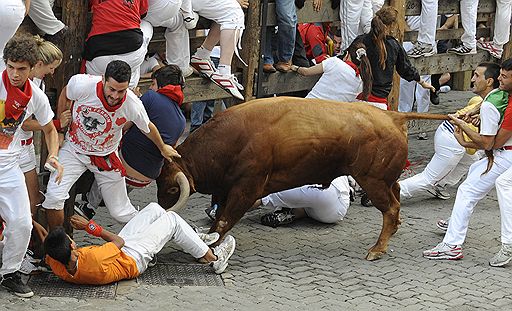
{"x":10,"y":134}
{"x":489,"y":117}
{"x":24,"y":135}
{"x":338,"y":82}
{"x":94,"y":130}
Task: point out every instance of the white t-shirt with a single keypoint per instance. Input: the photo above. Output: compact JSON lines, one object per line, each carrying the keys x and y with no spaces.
{"x":338,"y":82}
{"x":10,"y":138}
{"x":94,"y":130}
{"x":489,"y":117}
{"x":24,"y":135}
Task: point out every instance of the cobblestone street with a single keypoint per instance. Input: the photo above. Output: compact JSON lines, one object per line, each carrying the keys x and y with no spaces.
{"x":313,"y":266}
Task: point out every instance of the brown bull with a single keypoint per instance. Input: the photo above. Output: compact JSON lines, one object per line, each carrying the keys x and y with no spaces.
{"x":274,"y":144}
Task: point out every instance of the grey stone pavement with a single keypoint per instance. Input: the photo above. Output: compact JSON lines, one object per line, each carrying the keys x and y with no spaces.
{"x":313,"y":266}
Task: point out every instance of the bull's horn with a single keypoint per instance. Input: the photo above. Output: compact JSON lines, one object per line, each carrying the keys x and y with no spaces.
{"x":182,"y":181}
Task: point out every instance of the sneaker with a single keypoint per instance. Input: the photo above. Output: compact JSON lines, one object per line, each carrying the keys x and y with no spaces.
{"x":209,"y":238}
{"x":434,"y":97}
{"x":189,"y":19}
{"x":439,"y":192}
{"x":27,"y":264}
{"x":443,"y":224}
{"x":445,"y":89}
{"x":444,"y":251}
{"x":12,"y":281}
{"x":153,"y":261}
{"x":421,"y":50}
{"x":58,"y":37}
{"x":84,"y":211}
{"x":503,"y":257}
{"x":365,"y":200}
{"x":228,"y":83}
{"x":187,"y":72}
{"x":205,"y":67}
{"x":489,"y":46}
{"x":212,"y":211}
{"x":422,"y":136}
{"x":462,"y":50}
{"x":278,"y":218}
{"x":223,"y":253}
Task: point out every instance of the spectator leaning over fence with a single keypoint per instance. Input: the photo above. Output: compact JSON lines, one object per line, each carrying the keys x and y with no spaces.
{"x":12,"y":13}
{"x":385,"y":54}
{"x":449,"y":154}
{"x":314,"y":36}
{"x":501,"y":29}
{"x":127,"y":255}
{"x":342,"y":79}
{"x":468,"y":14}
{"x":140,"y":157}
{"x":426,"y":43}
{"x":483,"y":174}
{"x":117,"y":33}
{"x":19,"y":99}
{"x":42,"y":15}
{"x":100,"y":108}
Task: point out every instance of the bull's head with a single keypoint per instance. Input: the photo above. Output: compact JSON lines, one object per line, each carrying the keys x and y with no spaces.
{"x":173,"y":187}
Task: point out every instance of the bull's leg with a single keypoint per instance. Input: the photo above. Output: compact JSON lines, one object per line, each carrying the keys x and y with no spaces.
{"x":384,"y":198}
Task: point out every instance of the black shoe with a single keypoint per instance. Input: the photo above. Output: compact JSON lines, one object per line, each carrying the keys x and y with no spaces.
{"x":12,"y":281}
{"x":434,"y":97}
{"x":279,"y":218}
{"x":58,"y":37}
{"x":212,"y":211}
{"x":365,"y":200}
{"x":84,"y":211}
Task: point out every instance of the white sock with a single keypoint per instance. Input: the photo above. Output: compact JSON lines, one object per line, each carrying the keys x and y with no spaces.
{"x":224,"y":69}
{"x":203,"y":53}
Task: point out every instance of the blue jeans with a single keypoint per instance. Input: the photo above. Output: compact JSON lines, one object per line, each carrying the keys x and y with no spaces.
{"x":203,"y":110}
{"x":286,"y":25}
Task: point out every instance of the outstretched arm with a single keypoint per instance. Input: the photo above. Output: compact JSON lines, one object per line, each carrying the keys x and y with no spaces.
{"x":80,"y":223}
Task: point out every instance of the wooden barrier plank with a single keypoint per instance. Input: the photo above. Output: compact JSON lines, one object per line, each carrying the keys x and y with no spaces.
{"x":448,"y":34}
{"x":413,"y":7}
{"x":278,"y":83}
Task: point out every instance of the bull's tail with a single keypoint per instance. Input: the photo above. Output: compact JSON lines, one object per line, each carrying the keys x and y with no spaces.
{"x":402,"y":117}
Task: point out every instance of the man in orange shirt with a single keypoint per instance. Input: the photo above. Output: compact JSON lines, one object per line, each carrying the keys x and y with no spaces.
{"x":127,"y":255}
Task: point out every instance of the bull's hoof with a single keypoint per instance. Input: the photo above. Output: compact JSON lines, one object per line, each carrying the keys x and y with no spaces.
{"x":371,"y":256}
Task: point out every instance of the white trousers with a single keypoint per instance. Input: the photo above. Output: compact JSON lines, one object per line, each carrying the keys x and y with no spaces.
{"x":325,"y":205}
{"x":504,"y":191}
{"x":164,"y":15}
{"x":448,"y":154}
{"x":472,"y":190}
{"x":377,"y":5}
{"x":27,"y":158}
{"x":468,"y":12}
{"x":411,"y":92}
{"x":111,"y":184}
{"x":428,"y":22}
{"x":15,"y":211}
{"x":42,"y":15}
{"x":148,"y":232}
{"x":227,"y":13}
{"x":502,"y":22}
{"x":356,"y":17}
{"x":98,"y":65}
{"x":12,"y":13}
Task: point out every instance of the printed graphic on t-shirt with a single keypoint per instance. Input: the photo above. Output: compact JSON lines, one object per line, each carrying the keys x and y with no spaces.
{"x":8,"y":127}
{"x":90,"y":129}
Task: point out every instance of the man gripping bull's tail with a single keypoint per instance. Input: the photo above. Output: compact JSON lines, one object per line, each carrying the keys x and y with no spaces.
{"x":273,"y":144}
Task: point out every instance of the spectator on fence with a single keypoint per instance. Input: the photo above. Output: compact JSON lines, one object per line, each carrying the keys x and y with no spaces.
{"x":117,"y":33}
{"x":42,"y":15}
{"x":468,"y":14}
{"x":314,"y":36}
{"x":355,"y":17}
{"x":12,"y":13}
{"x":501,"y":29}
{"x":426,"y":43}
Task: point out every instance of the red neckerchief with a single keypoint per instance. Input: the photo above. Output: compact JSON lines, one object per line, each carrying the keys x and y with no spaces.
{"x":113,"y":164}
{"x":101,"y":96}
{"x":351,"y":64}
{"x":17,"y":99}
{"x":174,"y":92}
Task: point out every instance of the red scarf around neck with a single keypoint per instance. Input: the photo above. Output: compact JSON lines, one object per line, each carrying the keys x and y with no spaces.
{"x":17,"y":99}
{"x":101,"y":95}
{"x":174,"y":92}
{"x":351,"y":64}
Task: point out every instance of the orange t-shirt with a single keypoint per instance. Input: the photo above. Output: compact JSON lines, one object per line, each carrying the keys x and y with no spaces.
{"x":97,"y":265}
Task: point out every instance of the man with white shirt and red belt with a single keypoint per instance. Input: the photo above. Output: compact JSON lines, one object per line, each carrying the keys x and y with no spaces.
{"x":100,"y":108}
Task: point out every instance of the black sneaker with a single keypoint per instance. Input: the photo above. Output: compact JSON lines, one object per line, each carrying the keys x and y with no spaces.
{"x":12,"y":281}
{"x":462,"y":50}
{"x":279,"y":218}
{"x":434,"y":97}
{"x":365,"y":200}
{"x":84,"y":211}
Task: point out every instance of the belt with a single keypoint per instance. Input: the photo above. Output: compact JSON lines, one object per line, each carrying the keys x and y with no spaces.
{"x":27,"y":142}
{"x":507,"y":147}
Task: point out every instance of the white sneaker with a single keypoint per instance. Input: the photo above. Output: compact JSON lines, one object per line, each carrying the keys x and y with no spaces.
{"x":27,"y":265}
{"x":187,"y":72}
{"x":223,"y":253}
{"x":445,"y":89}
{"x":503,"y":257}
{"x":209,"y":238}
{"x":205,"y":67}
{"x":229,"y":83}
